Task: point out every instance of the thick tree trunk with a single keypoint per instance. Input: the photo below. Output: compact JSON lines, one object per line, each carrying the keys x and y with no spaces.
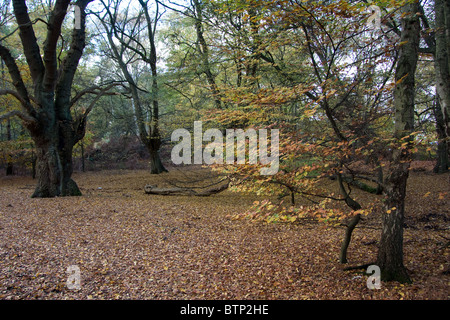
{"x":390,"y":254}
{"x":54,"y":169}
{"x":48,"y":172}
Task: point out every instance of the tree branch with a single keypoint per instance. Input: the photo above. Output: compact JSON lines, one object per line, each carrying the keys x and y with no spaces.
{"x":21,"y":92}
{"x":97,"y":89}
{"x":70,"y":63}
{"x":17,"y":113}
{"x":28,"y":38}
{"x":54,"y":30}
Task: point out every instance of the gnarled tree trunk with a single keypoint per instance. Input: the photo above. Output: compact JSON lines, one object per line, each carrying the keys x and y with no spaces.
{"x":46,"y":110}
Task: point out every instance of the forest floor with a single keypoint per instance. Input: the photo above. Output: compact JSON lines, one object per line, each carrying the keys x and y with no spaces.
{"x":129,"y":245}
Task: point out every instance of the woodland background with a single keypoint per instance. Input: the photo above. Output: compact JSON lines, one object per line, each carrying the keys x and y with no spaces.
{"x":87,"y":113}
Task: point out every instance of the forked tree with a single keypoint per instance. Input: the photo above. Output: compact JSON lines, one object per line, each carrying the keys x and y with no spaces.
{"x":132,"y":38}
{"x":46,"y":105}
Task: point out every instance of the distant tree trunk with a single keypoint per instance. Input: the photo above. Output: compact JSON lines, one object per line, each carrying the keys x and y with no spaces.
{"x":203,"y":50}
{"x":33,"y":165}
{"x":442,"y":63}
{"x":390,"y":254}
{"x":149,"y":134}
{"x":442,"y":156}
{"x":9,"y":164}
{"x":154,"y":138}
{"x":156,"y":166}
{"x":83,"y":162}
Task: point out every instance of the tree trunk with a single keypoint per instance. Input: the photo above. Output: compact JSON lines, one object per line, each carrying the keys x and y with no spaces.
{"x":9,"y":164}
{"x":33,"y":165}
{"x":54,"y":165}
{"x":390,"y":254}
{"x":442,"y":62}
{"x":156,"y":165}
{"x":203,"y":50}
{"x":218,"y":188}
{"x":48,"y":172}
{"x":354,"y":205}
{"x":348,"y":236}
{"x":442,"y":156}
{"x":83,"y":162}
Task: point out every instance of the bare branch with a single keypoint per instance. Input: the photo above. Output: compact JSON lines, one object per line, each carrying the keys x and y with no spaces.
{"x":97,"y":89}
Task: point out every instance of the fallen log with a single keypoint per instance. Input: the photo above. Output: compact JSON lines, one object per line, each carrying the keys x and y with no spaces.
{"x":175,"y":191}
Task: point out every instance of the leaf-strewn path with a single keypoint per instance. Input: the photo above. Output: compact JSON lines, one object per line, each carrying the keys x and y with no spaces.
{"x":129,"y":245}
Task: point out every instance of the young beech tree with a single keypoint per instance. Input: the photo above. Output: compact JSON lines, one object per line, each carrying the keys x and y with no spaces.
{"x":46,"y":106}
{"x":347,"y":119}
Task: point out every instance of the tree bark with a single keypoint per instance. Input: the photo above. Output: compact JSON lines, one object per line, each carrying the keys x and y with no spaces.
{"x":156,"y":166}
{"x":175,"y":191}
{"x":354,"y":205}
{"x":9,"y":163}
{"x":203,"y":50}
{"x":390,"y":254}
{"x":442,"y":63}
{"x":54,"y":165}
{"x":347,"y":238}
{"x":442,"y":156}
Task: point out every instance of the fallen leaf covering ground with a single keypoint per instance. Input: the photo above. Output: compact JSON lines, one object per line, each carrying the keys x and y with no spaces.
{"x":129,"y":245}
